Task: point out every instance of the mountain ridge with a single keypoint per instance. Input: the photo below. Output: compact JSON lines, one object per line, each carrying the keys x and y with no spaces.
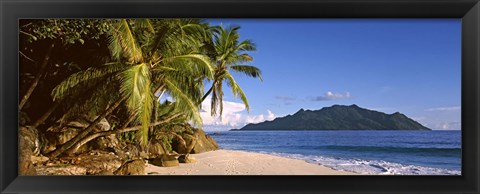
{"x":339,"y":117}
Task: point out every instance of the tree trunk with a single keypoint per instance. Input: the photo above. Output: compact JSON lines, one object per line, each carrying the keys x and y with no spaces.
{"x":100,"y":134}
{"x":43,"y":67}
{"x":208,"y":93}
{"x":85,"y":132}
{"x":46,"y":114}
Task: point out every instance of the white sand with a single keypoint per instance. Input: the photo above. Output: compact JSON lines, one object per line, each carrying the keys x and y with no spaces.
{"x":230,"y":162}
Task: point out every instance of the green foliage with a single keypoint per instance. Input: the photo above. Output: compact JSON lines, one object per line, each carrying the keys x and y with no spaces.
{"x":67,"y":31}
{"x":128,"y":136}
{"x":145,"y":60}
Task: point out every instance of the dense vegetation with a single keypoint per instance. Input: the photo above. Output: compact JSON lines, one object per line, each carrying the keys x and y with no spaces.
{"x":145,"y":76}
{"x":339,"y":117}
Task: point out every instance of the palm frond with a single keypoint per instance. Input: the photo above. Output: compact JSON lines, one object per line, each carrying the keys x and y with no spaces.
{"x":136,"y":86}
{"x":145,"y":113}
{"x":184,"y":103}
{"x":201,"y":63}
{"x":123,"y":43}
{"x":247,"y":70}
{"x":236,"y":90}
{"x":62,"y":89}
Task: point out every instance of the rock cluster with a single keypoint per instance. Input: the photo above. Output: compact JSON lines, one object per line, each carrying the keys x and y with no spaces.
{"x":106,"y":155}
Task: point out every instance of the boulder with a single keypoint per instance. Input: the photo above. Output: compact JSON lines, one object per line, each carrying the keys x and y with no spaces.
{"x":155,"y":148}
{"x":58,"y":135}
{"x":33,"y":139}
{"x":61,"y":169}
{"x":26,"y":147}
{"x":134,"y":167}
{"x":103,"y":125}
{"x":165,"y":161}
{"x":204,"y":143}
{"x":129,"y":151}
{"x":97,"y":161}
{"x":186,"y":159}
{"x":38,"y":159}
{"x":104,"y":143}
{"x":180,"y":145}
{"x":201,"y":142}
{"x":105,"y":172}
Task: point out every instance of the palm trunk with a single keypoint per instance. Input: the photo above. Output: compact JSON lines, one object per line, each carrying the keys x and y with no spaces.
{"x":43,"y":68}
{"x":208,"y":93}
{"x":85,"y":132}
{"x":100,"y":134}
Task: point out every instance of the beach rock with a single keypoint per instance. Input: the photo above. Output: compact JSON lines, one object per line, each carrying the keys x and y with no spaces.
{"x":129,"y":151}
{"x":104,"y":143}
{"x":186,"y":159}
{"x":180,"y":145}
{"x":103,"y":125}
{"x":58,"y":135}
{"x":38,"y":159}
{"x":61,"y":169}
{"x":165,"y":161}
{"x":26,"y":147}
{"x":155,"y":148}
{"x":105,"y":172}
{"x":95,"y":161}
{"x":33,"y":139}
{"x":134,"y":167}
{"x":204,"y":143}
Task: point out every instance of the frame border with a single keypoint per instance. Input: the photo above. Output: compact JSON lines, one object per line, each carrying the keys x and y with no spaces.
{"x":468,"y":10}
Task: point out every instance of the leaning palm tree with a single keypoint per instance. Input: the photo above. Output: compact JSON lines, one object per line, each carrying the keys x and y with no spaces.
{"x":150,"y":58}
{"x":229,"y":53}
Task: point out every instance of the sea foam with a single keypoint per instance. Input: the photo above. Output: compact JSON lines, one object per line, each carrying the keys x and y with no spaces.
{"x":368,"y":167}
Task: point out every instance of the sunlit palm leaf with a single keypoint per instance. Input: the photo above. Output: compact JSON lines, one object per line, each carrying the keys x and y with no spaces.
{"x":247,"y":70}
{"x":61,"y":90}
{"x":184,"y":103}
{"x":136,"y":86}
{"x":236,"y":90}
{"x":123,"y":43}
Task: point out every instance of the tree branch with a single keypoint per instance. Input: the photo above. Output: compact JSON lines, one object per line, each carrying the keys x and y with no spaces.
{"x":136,"y":128}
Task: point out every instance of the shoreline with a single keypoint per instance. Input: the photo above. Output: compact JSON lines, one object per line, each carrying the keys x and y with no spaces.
{"x":233,"y":162}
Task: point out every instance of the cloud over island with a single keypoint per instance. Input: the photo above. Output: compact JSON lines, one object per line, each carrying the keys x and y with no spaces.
{"x":234,"y":116}
{"x":332,"y":96}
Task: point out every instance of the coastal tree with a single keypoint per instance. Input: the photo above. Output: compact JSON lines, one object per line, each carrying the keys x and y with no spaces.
{"x":49,"y":51}
{"x":229,"y":54}
{"x":149,"y":58}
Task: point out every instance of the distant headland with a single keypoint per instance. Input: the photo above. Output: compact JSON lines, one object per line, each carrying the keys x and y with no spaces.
{"x":338,"y":117}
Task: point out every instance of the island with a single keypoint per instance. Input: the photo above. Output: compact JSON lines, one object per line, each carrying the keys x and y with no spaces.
{"x":338,"y":117}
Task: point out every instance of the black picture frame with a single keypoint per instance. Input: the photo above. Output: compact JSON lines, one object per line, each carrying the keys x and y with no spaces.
{"x":468,"y":10}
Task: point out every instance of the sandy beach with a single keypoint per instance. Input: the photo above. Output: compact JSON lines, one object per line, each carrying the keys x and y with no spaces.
{"x":230,"y":162}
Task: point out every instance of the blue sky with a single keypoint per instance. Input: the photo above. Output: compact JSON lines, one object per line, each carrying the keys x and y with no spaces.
{"x":389,"y":65}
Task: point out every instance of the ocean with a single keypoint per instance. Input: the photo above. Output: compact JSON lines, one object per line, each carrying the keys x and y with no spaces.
{"x":366,"y":152}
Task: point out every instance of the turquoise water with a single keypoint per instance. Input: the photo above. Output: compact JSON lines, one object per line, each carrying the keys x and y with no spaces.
{"x":365,"y":152}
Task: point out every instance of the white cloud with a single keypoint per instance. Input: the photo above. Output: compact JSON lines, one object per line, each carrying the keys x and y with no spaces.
{"x":332,"y":96}
{"x":451,"y":108}
{"x":445,"y":125}
{"x":234,"y":116}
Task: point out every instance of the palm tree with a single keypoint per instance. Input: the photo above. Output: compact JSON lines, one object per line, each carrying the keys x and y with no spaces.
{"x":150,"y":58}
{"x":229,"y":53}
